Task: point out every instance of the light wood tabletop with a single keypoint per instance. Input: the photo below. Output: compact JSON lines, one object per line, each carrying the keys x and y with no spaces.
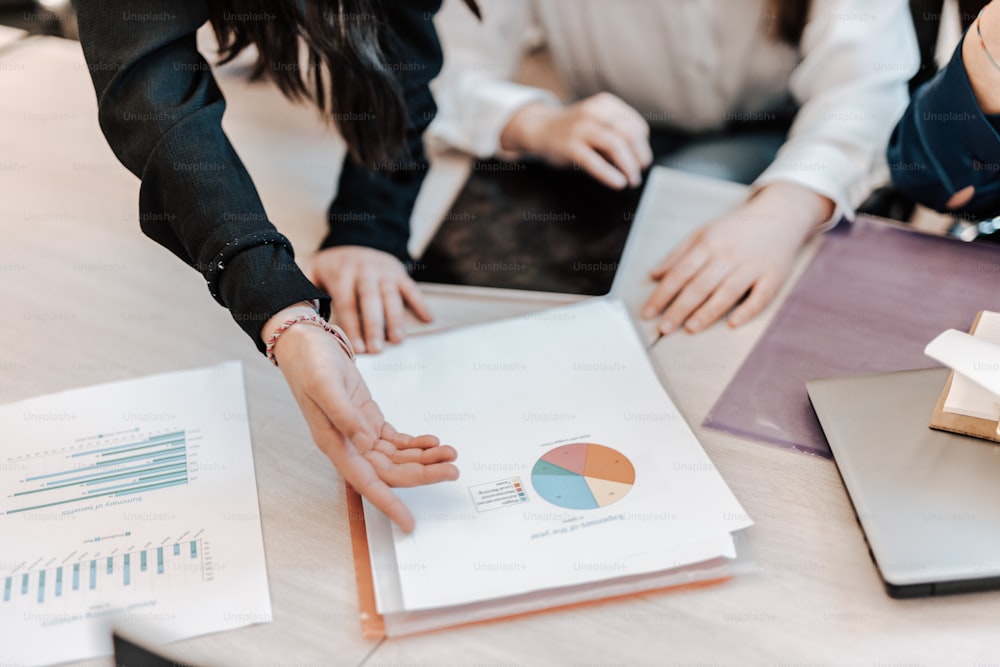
{"x":89,"y":299}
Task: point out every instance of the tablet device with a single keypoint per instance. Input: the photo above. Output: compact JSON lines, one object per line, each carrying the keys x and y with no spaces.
{"x":527,"y":226}
{"x":928,"y":501}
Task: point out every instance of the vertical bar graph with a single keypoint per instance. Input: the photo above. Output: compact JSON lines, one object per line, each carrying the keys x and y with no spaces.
{"x":187,"y":559}
{"x":137,"y":465}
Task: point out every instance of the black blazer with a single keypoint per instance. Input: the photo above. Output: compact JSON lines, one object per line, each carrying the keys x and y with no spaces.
{"x":161,"y":112}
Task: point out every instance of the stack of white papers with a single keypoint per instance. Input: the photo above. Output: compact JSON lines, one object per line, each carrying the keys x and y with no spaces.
{"x":576,"y":469}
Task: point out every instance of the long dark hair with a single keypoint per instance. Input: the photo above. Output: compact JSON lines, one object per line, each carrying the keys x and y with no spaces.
{"x":790,"y":19}
{"x":343,"y":69}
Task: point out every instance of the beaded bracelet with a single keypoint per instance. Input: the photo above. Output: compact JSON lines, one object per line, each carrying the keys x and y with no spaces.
{"x":314,"y":320}
{"x":982,"y":41}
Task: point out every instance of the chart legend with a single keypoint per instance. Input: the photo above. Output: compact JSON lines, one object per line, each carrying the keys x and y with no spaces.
{"x":494,"y":495}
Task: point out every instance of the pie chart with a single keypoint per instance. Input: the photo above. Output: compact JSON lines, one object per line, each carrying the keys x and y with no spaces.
{"x":583,"y":476}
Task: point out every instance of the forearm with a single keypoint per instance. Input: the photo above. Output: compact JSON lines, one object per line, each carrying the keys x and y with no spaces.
{"x":983,"y":75}
{"x":852,"y":87}
{"x":161,"y":113}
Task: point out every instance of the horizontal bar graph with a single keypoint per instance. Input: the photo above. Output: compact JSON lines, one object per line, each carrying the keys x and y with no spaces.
{"x":107,"y":468}
{"x":125,"y":570}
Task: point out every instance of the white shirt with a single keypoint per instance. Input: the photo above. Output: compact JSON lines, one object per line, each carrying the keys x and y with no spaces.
{"x":694,"y":65}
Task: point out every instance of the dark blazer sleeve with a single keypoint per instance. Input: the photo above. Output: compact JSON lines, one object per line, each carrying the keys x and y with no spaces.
{"x":161,"y":112}
{"x":373,"y":206}
{"x":945,"y":142}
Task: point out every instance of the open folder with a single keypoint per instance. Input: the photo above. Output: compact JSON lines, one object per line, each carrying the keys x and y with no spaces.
{"x":970,"y":402}
{"x":580,"y":479}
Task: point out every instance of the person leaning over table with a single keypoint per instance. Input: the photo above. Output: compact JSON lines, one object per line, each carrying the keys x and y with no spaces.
{"x":945,"y":152}
{"x":697,"y":68}
{"x":161,"y":112}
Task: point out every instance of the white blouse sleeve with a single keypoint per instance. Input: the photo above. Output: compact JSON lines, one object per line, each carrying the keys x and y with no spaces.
{"x":851,"y":85}
{"x":474,"y":93}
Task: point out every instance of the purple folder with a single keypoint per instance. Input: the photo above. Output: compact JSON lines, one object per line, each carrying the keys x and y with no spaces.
{"x":870,"y":301}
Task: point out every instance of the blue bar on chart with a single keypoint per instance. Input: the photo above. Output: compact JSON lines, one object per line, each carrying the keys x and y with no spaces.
{"x":151,"y":441}
{"x":127,"y":566}
{"x":24,"y":584}
{"x":6,"y":589}
{"x":194,"y":549}
{"x":177,"y":549}
{"x":147,"y":464}
{"x":58,"y":581}
{"x":111,"y":565}
{"x":142,"y":562}
{"x":159,"y":560}
{"x":41,"y":586}
{"x":76,"y":576}
{"x":93,"y":574}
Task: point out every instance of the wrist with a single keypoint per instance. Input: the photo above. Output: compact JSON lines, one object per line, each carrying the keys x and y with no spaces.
{"x":802,"y":204}
{"x":296,"y":326}
{"x":526,"y":128}
{"x":282,"y":316}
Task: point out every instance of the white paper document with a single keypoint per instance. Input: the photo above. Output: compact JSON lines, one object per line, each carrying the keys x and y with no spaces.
{"x":576,"y":467}
{"x":128,"y":505}
{"x":975,"y":389}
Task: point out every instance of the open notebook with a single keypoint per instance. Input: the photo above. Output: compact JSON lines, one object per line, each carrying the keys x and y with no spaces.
{"x":580,"y":479}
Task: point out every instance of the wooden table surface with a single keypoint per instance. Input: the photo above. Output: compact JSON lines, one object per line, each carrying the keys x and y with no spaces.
{"x":89,"y":299}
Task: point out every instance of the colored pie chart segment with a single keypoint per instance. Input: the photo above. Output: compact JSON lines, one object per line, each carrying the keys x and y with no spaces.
{"x":583,"y":476}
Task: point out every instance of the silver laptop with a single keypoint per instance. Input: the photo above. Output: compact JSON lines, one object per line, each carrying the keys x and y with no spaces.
{"x":928,"y":501}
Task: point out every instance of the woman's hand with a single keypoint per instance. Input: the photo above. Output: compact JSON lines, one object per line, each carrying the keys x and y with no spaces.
{"x":369,"y":288}
{"x":602,"y":135}
{"x":348,"y":426}
{"x":750,"y":249}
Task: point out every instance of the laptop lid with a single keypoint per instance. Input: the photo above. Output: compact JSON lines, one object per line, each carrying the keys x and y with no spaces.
{"x":928,"y":501}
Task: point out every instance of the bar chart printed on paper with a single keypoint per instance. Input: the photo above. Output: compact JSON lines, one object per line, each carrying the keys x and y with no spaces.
{"x":130,"y":505}
{"x":100,"y":468}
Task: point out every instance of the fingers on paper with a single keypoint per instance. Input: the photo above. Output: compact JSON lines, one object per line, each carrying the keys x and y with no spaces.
{"x":372,"y":312}
{"x":694,"y":294}
{"x":415,"y":299}
{"x":394,"y":313}
{"x":726,"y":295}
{"x":762,"y":293}
{"x":345,"y":309}
{"x":364,"y":478}
{"x":673,"y":285}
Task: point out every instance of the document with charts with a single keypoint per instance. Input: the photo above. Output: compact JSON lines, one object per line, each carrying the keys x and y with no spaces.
{"x":576,"y":467}
{"x":128,"y":505}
